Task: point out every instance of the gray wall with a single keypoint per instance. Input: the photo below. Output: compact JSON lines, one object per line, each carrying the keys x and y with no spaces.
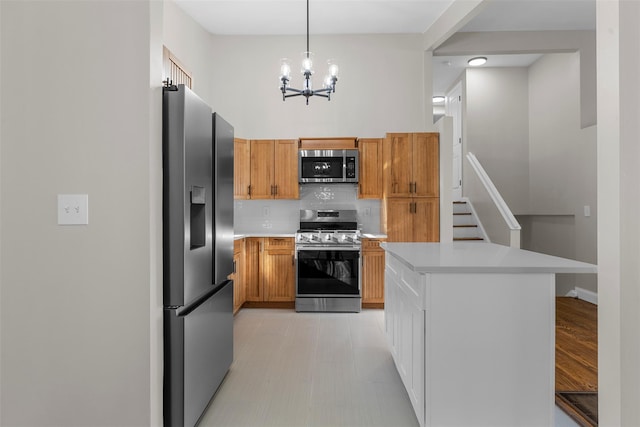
{"x":380,"y":87}
{"x":79,"y":312}
{"x":524,"y":126}
{"x":496,"y":130}
{"x":562,"y":166}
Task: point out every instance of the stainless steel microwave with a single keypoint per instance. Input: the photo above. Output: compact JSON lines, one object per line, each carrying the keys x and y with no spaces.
{"x":328,"y":166}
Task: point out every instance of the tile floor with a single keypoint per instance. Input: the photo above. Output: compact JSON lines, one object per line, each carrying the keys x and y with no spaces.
{"x":313,"y":369}
{"x":310,"y":369}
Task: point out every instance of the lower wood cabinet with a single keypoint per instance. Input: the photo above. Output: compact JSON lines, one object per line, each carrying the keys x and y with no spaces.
{"x":270,"y":269}
{"x":238,"y":275}
{"x":372,"y":271}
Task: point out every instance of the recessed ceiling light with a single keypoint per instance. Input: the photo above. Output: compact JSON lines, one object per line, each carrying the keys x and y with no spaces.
{"x":438,"y":99}
{"x":479,"y":60}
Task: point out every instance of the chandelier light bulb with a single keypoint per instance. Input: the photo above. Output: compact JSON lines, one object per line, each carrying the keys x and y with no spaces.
{"x":285,"y":68}
{"x":333,"y":69}
{"x":307,"y":62}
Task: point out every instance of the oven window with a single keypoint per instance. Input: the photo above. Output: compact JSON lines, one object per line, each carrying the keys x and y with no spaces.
{"x":328,"y":272}
{"x":322,"y":167}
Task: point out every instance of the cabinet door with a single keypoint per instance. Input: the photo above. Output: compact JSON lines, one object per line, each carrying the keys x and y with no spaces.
{"x":286,"y":169}
{"x":238,"y":285}
{"x":241,"y":168}
{"x":425,"y":165}
{"x":370,"y":185}
{"x":373,"y":276}
{"x":252,"y":280}
{"x":278,"y":271}
{"x":399,"y":220}
{"x":426,"y":219}
{"x":262,"y":169}
{"x":398,"y":163}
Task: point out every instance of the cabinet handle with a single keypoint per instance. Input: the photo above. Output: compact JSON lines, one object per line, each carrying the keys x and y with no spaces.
{"x":293,"y":260}
{"x":276,"y":190}
{"x":248,"y":190}
{"x":415,"y":187}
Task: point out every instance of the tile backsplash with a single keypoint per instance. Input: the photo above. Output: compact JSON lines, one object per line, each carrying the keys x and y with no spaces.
{"x":283,"y":216}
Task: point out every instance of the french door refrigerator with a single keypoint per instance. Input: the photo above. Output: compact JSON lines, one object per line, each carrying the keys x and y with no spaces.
{"x":197,"y":254}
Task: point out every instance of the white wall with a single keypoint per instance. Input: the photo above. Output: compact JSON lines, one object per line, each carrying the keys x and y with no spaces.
{"x":510,"y":42}
{"x":562,"y":167}
{"x":379,"y":89}
{"x":191,"y":44}
{"x":496,"y":130}
{"x":78,"y":311}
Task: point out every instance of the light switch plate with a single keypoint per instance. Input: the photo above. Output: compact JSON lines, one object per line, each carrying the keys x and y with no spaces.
{"x":73,"y":209}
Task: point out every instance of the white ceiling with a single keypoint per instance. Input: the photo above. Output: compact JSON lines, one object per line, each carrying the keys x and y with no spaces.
{"x":284,"y":17}
{"x":278,"y":17}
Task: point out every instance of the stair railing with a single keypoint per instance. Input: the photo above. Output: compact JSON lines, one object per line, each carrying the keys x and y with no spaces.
{"x":493,"y":212}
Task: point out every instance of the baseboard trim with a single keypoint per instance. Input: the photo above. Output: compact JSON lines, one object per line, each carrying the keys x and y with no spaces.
{"x":584,"y":295}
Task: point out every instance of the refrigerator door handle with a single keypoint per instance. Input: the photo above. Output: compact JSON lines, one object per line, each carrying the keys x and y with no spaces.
{"x":185,"y":310}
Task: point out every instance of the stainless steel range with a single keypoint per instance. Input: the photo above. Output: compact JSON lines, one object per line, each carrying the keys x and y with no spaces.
{"x":328,"y":261}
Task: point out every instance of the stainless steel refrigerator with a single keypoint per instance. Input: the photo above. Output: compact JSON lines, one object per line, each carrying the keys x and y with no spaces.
{"x":197,"y":254}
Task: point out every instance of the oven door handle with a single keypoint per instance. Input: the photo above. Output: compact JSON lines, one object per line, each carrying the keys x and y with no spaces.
{"x":328,"y":248}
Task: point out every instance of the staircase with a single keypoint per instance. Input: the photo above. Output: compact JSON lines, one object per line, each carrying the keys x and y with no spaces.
{"x":465,"y":224}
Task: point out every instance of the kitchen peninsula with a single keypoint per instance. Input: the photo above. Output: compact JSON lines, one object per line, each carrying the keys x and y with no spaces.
{"x":472,"y":331}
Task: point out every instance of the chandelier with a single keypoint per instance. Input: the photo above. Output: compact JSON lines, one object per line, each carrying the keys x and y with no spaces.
{"x":329,"y":85}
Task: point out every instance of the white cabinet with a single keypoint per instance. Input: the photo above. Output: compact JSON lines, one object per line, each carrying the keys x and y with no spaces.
{"x":473,"y":349}
{"x":405,"y":326}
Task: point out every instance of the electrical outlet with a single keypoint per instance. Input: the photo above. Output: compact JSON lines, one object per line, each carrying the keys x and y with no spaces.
{"x":73,"y":209}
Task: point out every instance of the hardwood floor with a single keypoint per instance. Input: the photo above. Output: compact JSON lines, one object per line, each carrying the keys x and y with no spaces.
{"x":576,"y":355}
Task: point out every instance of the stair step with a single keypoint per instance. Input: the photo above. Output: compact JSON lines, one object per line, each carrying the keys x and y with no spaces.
{"x":462,"y":213}
{"x":465,"y":225}
{"x":475,"y":239}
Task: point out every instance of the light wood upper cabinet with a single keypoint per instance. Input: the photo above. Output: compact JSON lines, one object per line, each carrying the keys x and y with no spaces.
{"x":274,"y":169}
{"x":412,"y":165}
{"x":241,"y":168}
{"x":286,"y":169}
{"x":370,"y":181}
{"x":262,"y":168}
{"x":397,"y":156}
{"x":426,"y":164}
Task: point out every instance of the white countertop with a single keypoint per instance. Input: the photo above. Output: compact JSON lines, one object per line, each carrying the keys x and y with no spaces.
{"x":475,"y":257}
{"x":374,"y":236}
